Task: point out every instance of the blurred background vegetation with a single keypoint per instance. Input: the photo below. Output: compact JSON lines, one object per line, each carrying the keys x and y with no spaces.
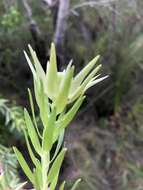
{"x":105,"y":140}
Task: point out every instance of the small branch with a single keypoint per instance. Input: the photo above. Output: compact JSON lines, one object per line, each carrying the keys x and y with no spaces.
{"x":93,"y":3}
{"x":33,"y":25}
{"x":60,"y":30}
{"x":61,"y":21}
{"x":37,"y":36}
{"x":50,"y":3}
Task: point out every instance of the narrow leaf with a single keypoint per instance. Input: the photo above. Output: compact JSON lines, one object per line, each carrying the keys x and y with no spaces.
{"x":83,"y":73}
{"x":92,"y":83}
{"x":54,"y":182}
{"x":33,"y":158}
{"x":59,"y":144}
{"x":62,"y":98}
{"x":76,"y":184}
{"x":38,"y":179}
{"x":33,"y":112}
{"x":38,"y":66}
{"x":32,"y":133}
{"x":72,"y":112}
{"x":51,"y":74}
{"x":80,"y":90}
{"x":48,"y":131}
{"x":56,"y":165}
{"x":23,"y":164}
{"x":30,"y":64}
{"x":20,"y":186}
{"x":44,"y":106}
{"x":62,"y":186}
{"x":64,"y":122}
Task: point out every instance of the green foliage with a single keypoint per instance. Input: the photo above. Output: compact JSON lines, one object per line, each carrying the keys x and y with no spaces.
{"x":11,"y":19}
{"x":53,"y":92}
{"x":8,"y":170}
{"x":11,"y":120}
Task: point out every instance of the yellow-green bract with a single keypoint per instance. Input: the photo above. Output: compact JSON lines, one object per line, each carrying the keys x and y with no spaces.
{"x":62,"y":87}
{"x":54,"y":90}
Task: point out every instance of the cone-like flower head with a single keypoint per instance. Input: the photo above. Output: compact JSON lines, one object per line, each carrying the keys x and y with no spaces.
{"x":63,"y":87}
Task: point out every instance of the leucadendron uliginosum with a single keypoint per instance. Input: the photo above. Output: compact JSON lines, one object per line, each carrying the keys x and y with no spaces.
{"x":53,"y":91}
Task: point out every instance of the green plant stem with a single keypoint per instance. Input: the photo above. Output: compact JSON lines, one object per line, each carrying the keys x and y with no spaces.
{"x":45,"y":167}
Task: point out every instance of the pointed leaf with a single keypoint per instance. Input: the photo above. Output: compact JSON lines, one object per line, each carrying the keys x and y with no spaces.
{"x":33,"y":112}
{"x":83,"y":73}
{"x":56,"y":165}
{"x":80,"y":90}
{"x":76,"y":184}
{"x":30,"y":64}
{"x":62,"y":186}
{"x":23,"y":164}
{"x":64,"y":122}
{"x":48,"y":131}
{"x":32,"y":133}
{"x":37,"y":89}
{"x":62,"y":97}
{"x":59,"y":144}
{"x":20,"y":186}
{"x":51,"y":74}
{"x":38,"y":179}
{"x":92,"y":83}
{"x":44,"y":106}
{"x":54,"y":182}
{"x":33,"y":158}
{"x":72,"y":112}
{"x":38,"y":66}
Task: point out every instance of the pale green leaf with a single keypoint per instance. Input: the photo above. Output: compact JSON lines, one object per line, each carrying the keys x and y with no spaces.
{"x":94,"y":82}
{"x":81,"y":88}
{"x":76,"y":184}
{"x":54,"y":182}
{"x":23,"y":164}
{"x":44,"y":106}
{"x":32,"y":132}
{"x":55,"y":168}
{"x":39,"y":69}
{"x":37,"y":89}
{"x":62,"y":186}
{"x":83,"y":73}
{"x":64,"y":122}
{"x":62,"y":97}
{"x":72,"y":112}
{"x":33,"y":112}
{"x":20,"y":186}
{"x":33,"y":158}
{"x":48,"y":131}
{"x":38,"y":179}
{"x":51,"y":74}
{"x":59,"y":144}
{"x":30,"y":64}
